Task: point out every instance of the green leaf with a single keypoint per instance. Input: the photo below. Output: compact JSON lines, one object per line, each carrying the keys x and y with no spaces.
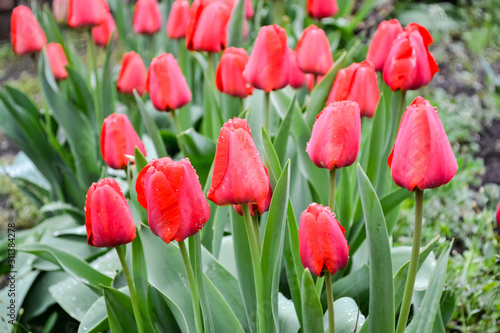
{"x":376,"y":149}
{"x":84,"y":99}
{"x":355,"y":285}
{"x":140,"y":160}
{"x":348,"y":317}
{"x":236,"y":23}
{"x":38,"y":299}
{"x":107,"y":88}
{"x":289,"y":321}
{"x":151,"y":127}
{"x":271,"y":159}
{"x":120,"y":314}
{"x":73,"y":296}
{"x":312,"y":312}
{"x":95,"y":319}
{"x":280,"y":142}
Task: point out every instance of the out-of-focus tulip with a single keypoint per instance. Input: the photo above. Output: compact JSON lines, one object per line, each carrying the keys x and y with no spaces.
{"x":25,"y":32}
{"x":269,"y":65}
{"x":238,"y":174}
{"x":102,"y":33}
{"x":60,"y":10}
{"x":229,"y":77}
{"x":57,"y":61}
{"x":166,"y":85}
{"x":178,"y":20}
{"x":410,"y":65}
{"x":172,"y":195}
{"x":498,"y":215}
{"x":86,"y":13}
{"x":132,"y":75}
{"x":313,"y":51}
{"x":319,"y":9}
{"x":421,"y":157}
{"x":118,"y":138}
{"x":297,"y":77}
{"x":322,"y":243}
{"x":336,"y":136}
{"x":147,"y":17}
{"x":310,"y":81}
{"x":381,"y":43}
{"x":358,"y":83}
{"x":259,"y":208}
{"x":108,"y":219}
{"x":249,"y":12}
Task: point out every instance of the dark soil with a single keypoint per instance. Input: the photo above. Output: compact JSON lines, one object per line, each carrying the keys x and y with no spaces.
{"x":489,"y":141}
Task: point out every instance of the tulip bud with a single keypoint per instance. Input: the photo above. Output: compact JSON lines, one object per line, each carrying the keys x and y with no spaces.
{"x":178,"y":19}
{"x":25,"y":32}
{"x":421,"y":157}
{"x":319,"y":9}
{"x":102,"y":33}
{"x":313,"y":51}
{"x":336,"y":136}
{"x":322,"y":243}
{"x":166,"y":85}
{"x":249,"y":12}
{"x":85,"y":13}
{"x":229,"y":77}
{"x":108,"y":219}
{"x":147,"y":17}
{"x":132,"y":75}
{"x":381,"y":43}
{"x":60,"y":10}
{"x":118,"y":138}
{"x":57,"y":61}
{"x":409,"y":64}
{"x":172,"y":194}
{"x":297,"y":77}
{"x":269,"y":64}
{"x":261,"y":207}
{"x":238,"y":174}
{"x":357,"y":83}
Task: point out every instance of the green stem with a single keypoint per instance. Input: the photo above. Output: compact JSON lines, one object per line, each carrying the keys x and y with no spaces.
{"x":193,"y":286}
{"x":92,"y":64}
{"x":178,"y":129}
{"x":268,"y":112}
{"x":329,"y":294}
{"x":133,"y":296}
{"x":412,"y":271}
{"x":255,"y":223}
{"x":332,"y":189}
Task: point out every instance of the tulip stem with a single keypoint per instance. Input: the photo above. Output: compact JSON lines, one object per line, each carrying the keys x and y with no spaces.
{"x":268,"y":111}
{"x":195,"y":298}
{"x":178,"y":129}
{"x":133,"y":296}
{"x":412,"y":271}
{"x":329,"y":294}
{"x":255,"y":223}
{"x":332,"y":188}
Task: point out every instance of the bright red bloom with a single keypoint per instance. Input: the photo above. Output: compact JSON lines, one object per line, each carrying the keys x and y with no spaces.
{"x":172,"y":194}
{"x":25,"y":32}
{"x":410,"y":65}
{"x":422,"y":156}
{"x":108,"y":219}
{"x":322,"y":243}
{"x":102,"y":33}
{"x":358,"y":83}
{"x":249,"y":12}
{"x":178,"y":20}
{"x":147,"y":17}
{"x":118,"y":138}
{"x":259,"y":208}
{"x":132,"y":75}
{"x":319,"y":9}
{"x":336,"y":136}
{"x":313,"y":51}
{"x":297,"y":77}
{"x":239,"y":176}
{"x":269,"y":65}
{"x":381,"y":43}
{"x":57,"y":61}
{"x":60,"y":10}
{"x":166,"y":85}
{"x":498,"y":215}
{"x":85,"y":13}
{"x":229,"y":77}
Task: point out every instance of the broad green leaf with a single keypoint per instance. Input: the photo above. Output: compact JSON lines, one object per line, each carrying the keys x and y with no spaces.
{"x":280,"y":142}
{"x":355,"y":285}
{"x":106,"y":88}
{"x":38,"y":299}
{"x":376,"y":143}
{"x":140,"y":160}
{"x":151,"y":127}
{"x":73,"y":296}
{"x":58,"y":207}
{"x":312,"y":312}
{"x":84,"y":99}
{"x":236,"y":23}
{"x":289,"y":321}
{"x":95,"y":319}
{"x":271,"y":159}
{"x":120,"y":314}
{"x":347,"y":316}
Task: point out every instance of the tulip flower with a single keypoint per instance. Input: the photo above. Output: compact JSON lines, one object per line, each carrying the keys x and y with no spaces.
{"x":178,"y":19}
{"x":313,"y":51}
{"x":102,"y":33}
{"x":229,"y":77}
{"x":172,"y":194}
{"x":25,"y":32}
{"x":319,"y":9}
{"x":60,"y":10}
{"x":108,"y":219}
{"x":358,"y":83}
{"x":238,"y":174}
{"x":166,"y":85}
{"x":57,"y":61}
{"x":259,"y":208}
{"x":409,"y":64}
{"x":86,"y":13}
{"x":147,"y":17}
{"x":297,"y":77}
{"x":249,"y":12}
{"x":132,"y":75}
{"x":498,"y":215}
{"x":381,"y":42}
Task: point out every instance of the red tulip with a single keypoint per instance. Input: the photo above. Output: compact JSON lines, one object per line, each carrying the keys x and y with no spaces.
{"x":102,"y":33}
{"x":409,"y":64}
{"x":132,"y":75}
{"x":25,"y":32}
{"x":249,"y":12}
{"x":118,"y":138}
{"x":261,"y":207}
{"x":322,"y":243}
{"x":166,"y":85}
{"x":85,"y":13}
{"x":381,"y":43}
{"x":178,"y":19}
{"x":319,"y":9}
{"x":229,"y":77}
{"x":57,"y":61}
{"x":421,"y":157}
{"x":269,"y":65}
{"x":239,"y":176}
{"x":358,"y":83}
{"x":498,"y":215}
{"x":336,"y":135}
{"x":172,"y":194}
{"x":297,"y":77}
{"x":147,"y":17}
{"x":60,"y":10}
{"x":313,"y":51}
{"x":108,"y":219}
